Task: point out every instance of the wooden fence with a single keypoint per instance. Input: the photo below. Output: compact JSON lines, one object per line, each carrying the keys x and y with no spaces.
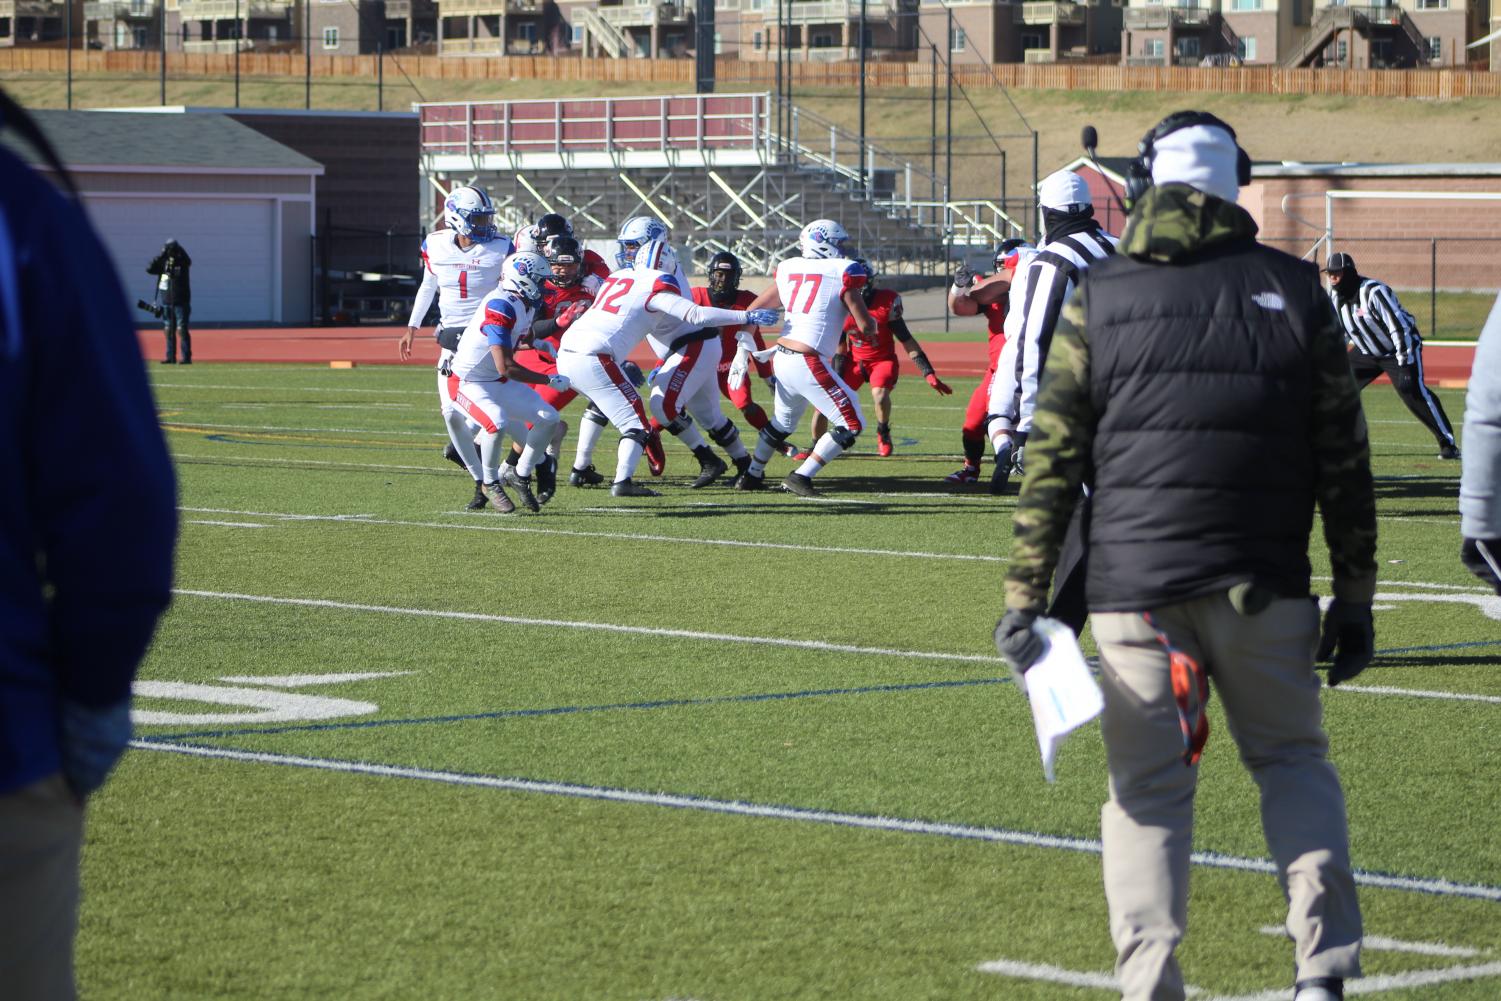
{"x":1427,"y":83}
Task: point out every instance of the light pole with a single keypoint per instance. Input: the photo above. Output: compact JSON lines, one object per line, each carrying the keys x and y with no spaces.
{"x":237,"y":53}
{"x":864,"y":179}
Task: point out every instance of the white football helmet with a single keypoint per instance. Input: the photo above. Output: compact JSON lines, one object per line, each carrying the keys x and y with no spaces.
{"x":469,"y":212}
{"x":823,"y":238}
{"x":634,"y":233}
{"x":656,"y":255}
{"x":524,"y":274}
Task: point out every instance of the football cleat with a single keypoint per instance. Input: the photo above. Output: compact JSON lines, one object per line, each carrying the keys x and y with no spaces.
{"x":452,"y":455}
{"x":496,"y":495}
{"x":741,"y":465}
{"x":750,"y":481}
{"x":1448,"y":452}
{"x":792,"y":451}
{"x":479,"y":501}
{"x":883,"y":445}
{"x":586,"y":477}
{"x":523,"y":487}
{"x":630,"y":488}
{"x":969,"y":474}
{"x":802,"y":455}
{"x":547,"y":478}
{"x":656,"y":455}
{"x":1000,"y":477}
{"x":709,"y":471}
{"x":797,"y":483}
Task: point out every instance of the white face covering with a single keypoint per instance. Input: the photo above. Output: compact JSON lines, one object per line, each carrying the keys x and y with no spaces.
{"x":1200,"y":156}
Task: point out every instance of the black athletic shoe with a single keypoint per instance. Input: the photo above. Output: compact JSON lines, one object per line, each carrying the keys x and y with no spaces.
{"x":479,"y":502}
{"x":499,"y":500}
{"x":1000,"y":477}
{"x":547,"y":479}
{"x":797,"y":483}
{"x":750,"y":481}
{"x":452,"y":455}
{"x":630,"y":488}
{"x":1448,"y":452}
{"x":523,"y":487}
{"x":585,"y":477}
{"x":741,"y":465}
{"x":709,"y":470}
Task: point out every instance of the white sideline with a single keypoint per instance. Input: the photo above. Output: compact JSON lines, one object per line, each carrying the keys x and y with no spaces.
{"x":1088,"y":846}
{"x":778,"y":641}
{"x":478,"y":526}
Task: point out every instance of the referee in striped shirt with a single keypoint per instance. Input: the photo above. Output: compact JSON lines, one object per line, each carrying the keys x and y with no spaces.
{"x":1383,"y":339}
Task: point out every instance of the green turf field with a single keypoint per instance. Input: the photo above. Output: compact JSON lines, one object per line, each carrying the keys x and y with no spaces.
{"x":714,"y":746}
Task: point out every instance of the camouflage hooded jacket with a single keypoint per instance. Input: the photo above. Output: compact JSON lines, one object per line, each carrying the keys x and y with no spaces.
{"x":1177,"y":225}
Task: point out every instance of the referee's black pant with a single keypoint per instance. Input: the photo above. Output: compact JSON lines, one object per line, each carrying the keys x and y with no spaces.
{"x":1408,"y":380}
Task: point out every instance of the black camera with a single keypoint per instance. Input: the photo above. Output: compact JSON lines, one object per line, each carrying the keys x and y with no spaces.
{"x":155,"y":309}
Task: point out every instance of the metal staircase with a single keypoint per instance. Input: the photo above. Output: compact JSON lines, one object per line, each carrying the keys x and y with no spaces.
{"x":610,"y":38}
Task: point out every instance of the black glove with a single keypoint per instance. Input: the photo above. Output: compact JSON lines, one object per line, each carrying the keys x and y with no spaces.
{"x":1482,"y":557}
{"x":1348,"y":629}
{"x":1018,"y":642}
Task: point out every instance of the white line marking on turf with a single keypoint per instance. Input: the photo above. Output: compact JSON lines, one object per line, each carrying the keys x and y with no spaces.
{"x":275,"y":707}
{"x":1417,"y":693}
{"x":1380,"y":943}
{"x":228,"y":524}
{"x":1387,"y":982}
{"x":1055,"y":975}
{"x":301,"y":680}
{"x":277,"y":427}
{"x":608,"y":627}
{"x":475,"y":526}
{"x":1214,"y":860}
{"x":296,"y":389}
{"x":260,"y":461}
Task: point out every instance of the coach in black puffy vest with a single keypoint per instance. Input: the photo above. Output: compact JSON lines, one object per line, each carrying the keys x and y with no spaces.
{"x":1200,"y":381}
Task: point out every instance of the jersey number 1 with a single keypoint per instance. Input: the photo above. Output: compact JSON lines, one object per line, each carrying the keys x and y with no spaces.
{"x":463,"y":284}
{"x":815,"y":281}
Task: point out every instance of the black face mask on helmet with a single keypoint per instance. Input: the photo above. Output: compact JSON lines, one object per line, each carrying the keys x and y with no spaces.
{"x":724,"y":277}
{"x":560,"y":252}
{"x":1139,"y":170}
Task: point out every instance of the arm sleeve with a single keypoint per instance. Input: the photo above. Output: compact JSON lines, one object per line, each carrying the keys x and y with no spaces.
{"x":1342,"y":463}
{"x":1058,"y":457}
{"x":106,"y":543}
{"x":426,"y":292}
{"x":156,"y":265}
{"x":187,"y":261}
{"x":499,"y":325}
{"x":689,"y":312}
{"x":1480,"y":481}
{"x":1396,"y":320}
{"x":1047,"y":291}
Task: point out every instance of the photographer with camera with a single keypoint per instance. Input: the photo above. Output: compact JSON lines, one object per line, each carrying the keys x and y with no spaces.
{"x":174,"y":299}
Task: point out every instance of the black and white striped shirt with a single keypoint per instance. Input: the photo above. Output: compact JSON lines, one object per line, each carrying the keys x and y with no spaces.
{"x":1376,"y":324}
{"x":1051,"y":279}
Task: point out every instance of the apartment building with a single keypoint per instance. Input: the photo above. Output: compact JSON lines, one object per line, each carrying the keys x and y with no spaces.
{"x":1033,"y":31}
{"x":38,"y":22}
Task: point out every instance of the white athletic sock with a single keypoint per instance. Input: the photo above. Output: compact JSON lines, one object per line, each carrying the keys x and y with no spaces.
{"x":490,"y":454}
{"x":559,"y":432}
{"x":760,"y":457}
{"x":691,"y":437}
{"x":463,"y":441}
{"x":536,"y":444}
{"x":627,"y":459}
{"x":589,"y":435}
{"x":825,"y":451}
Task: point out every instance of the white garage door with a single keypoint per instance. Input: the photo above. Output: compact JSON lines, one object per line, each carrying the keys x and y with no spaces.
{"x":229,"y":240}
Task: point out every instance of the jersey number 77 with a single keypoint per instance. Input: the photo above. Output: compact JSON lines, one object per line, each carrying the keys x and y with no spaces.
{"x":815,"y":282}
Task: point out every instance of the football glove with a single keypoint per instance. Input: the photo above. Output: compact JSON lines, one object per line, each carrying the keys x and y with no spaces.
{"x":761,"y":317}
{"x":739,"y":367}
{"x":93,"y":739}
{"x":1482,"y":557}
{"x":1018,"y":642}
{"x":571,"y":312}
{"x":963,"y":277}
{"x":938,"y":384}
{"x":545,"y":348}
{"x":1349,"y":639}
{"x":558,"y":382}
{"x":445,"y":362}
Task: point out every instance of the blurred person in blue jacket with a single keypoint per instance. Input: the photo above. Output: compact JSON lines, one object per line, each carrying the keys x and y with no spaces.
{"x":1480,"y":481}
{"x":85,"y":553}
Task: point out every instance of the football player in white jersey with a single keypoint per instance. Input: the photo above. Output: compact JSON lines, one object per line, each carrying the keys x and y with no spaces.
{"x":634,"y":302}
{"x":818,"y":290}
{"x":494,"y":390}
{"x":460,"y":264}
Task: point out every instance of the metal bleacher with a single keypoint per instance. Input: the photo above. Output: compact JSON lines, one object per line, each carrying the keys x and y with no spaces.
{"x":725,"y":171}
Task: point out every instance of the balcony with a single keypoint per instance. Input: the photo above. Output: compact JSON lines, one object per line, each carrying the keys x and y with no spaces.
{"x":224,"y":46}
{"x":1157,"y":16}
{"x":406,"y":8}
{"x":1050,"y":13}
{"x":30,"y":8}
{"x":448,"y":8}
{"x":118,"y":10}
{"x":226,"y":10}
{"x":643,"y":15}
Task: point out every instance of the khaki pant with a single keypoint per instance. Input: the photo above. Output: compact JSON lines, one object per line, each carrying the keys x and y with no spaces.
{"x":41,"y":834}
{"x":1261,"y":667}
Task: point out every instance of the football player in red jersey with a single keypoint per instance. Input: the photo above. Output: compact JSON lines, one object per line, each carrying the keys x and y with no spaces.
{"x":875,"y":360}
{"x":987,"y":296}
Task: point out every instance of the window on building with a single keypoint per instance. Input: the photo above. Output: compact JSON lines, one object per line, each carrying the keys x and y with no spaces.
{"x":1435,"y":48}
{"x":718,"y":43}
{"x":1245,"y":4}
{"x":1034,"y":40}
{"x":330,"y":38}
{"x":1246,"y":49}
{"x":1188,"y":47}
{"x":271,"y":33}
{"x":822,"y":40}
{"x":756,"y":41}
{"x":576,"y":34}
{"x":526,"y":32}
{"x":139,"y":37}
{"x":757,"y":4}
{"x":4,"y":27}
{"x":957,"y":40}
{"x":1381,"y":52}
{"x":870,"y":39}
{"x":1152,"y":47}
{"x":1433,"y":4}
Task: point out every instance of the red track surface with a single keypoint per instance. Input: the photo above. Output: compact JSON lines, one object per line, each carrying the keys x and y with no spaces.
{"x":1446,"y":366}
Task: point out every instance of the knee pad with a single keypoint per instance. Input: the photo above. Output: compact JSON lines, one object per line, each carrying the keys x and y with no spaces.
{"x":773,"y":435}
{"x":638,"y":435}
{"x":725,"y":434}
{"x":678,"y":424}
{"x":596,"y":416}
{"x":843,"y":437}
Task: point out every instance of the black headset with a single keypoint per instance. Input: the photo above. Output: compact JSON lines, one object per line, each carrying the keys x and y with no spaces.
{"x":1139,"y":171}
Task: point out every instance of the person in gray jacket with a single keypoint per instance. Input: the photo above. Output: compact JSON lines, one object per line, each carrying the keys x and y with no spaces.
{"x":1480,"y":481}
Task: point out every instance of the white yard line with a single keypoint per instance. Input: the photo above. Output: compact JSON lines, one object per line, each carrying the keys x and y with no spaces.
{"x":1380,"y":943}
{"x":175,"y":422}
{"x":228,"y":524}
{"x":475,"y":525}
{"x":431,"y":391}
{"x":303,"y":463}
{"x":769,"y":811}
{"x":1386,"y":983}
